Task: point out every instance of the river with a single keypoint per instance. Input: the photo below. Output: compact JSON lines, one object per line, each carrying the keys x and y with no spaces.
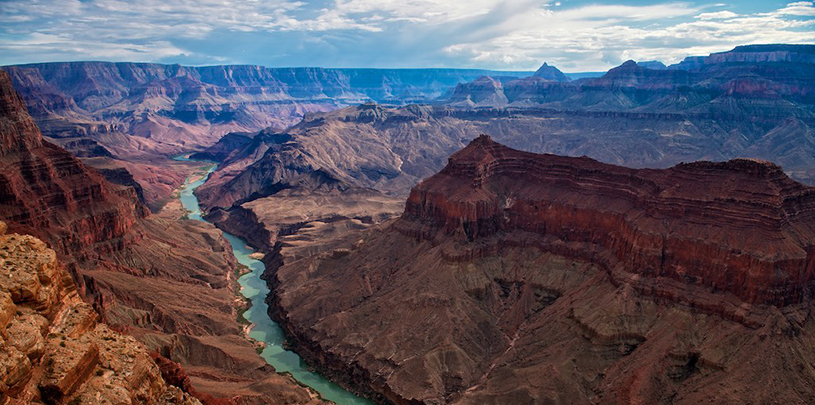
{"x":263,"y":328}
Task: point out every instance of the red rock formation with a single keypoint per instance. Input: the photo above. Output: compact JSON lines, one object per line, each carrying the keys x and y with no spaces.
{"x":17,"y":129}
{"x":524,"y":278}
{"x":741,"y":226}
{"x":175,"y":375}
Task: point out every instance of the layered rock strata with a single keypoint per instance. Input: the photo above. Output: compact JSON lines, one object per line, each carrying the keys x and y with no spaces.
{"x":740,"y":226}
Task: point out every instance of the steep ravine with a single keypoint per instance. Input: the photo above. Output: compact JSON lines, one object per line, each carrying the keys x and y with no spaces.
{"x":343,"y":371}
{"x":264,"y":329}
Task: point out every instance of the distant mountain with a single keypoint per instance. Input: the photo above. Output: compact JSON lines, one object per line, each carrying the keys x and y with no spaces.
{"x":653,"y":64}
{"x":758,"y":80}
{"x":751,"y":54}
{"x":584,"y":75}
{"x":551,"y":73}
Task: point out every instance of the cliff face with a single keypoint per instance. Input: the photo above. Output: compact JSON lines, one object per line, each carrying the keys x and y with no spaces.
{"x":19,"y":132}
{"x":760,"y":54}
{"x":740,"y":226}
{"x":52,"y":348}
{"x":524,"y":278}
{"x":46,"y":191}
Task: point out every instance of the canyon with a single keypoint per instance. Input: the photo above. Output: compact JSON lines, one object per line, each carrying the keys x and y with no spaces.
{"x":167,"y":282}
{"x":696,"y":267}
{"x":429,"y":236}
{"x":139,"y":115}
{"x":513,"y":277}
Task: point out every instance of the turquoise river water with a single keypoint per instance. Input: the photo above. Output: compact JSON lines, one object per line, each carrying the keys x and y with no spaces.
{"x":263,"y":328}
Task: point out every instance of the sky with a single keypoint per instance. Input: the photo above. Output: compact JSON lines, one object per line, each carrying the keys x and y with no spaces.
{"x":574,"y":35}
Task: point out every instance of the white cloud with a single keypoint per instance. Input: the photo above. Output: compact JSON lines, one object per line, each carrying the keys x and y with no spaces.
{"x":599,"y":37}
{"x":801,"y":8}
{"x":718,"y":15}
{"x":517,"y":34}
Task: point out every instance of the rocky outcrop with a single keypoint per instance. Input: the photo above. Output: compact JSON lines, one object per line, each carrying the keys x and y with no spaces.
{"x":482,"y":91}
{"x":226,"y":145}
{"x":52,"y":348}
{"x":652,"y":223}
{"x":524,"y":278}
{"x":121,"y":176}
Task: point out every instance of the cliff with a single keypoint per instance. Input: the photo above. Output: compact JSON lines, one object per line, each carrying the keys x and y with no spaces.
{"x":53,"y":350}
{"x":47,"y":192}
{"x":740,"y":226}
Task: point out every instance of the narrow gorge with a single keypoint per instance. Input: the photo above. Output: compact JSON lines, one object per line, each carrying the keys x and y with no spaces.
{"x":262,"y":328}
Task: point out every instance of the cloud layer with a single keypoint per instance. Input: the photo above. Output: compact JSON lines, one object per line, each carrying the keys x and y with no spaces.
{"x":519,"y":34}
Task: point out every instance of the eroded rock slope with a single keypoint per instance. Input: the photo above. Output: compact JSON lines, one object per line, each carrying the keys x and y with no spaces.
{"x":513,"y":277}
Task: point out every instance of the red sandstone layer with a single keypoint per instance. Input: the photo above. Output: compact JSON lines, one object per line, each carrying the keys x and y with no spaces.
{"x":740,"y":226}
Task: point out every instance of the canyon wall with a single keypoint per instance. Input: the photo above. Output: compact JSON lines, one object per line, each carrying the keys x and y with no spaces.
{"x":169,"y":283}
{"x":740,"y":226}
{"x":142,"y":114}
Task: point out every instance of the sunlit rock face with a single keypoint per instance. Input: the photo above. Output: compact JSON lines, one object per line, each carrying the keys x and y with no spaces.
{"x":52,"y":347}
{"x":740,"y":226}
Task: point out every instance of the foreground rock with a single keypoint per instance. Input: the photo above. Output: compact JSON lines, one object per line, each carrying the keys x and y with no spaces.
{"x":520,"y":278}
{"x":52,"y":347}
